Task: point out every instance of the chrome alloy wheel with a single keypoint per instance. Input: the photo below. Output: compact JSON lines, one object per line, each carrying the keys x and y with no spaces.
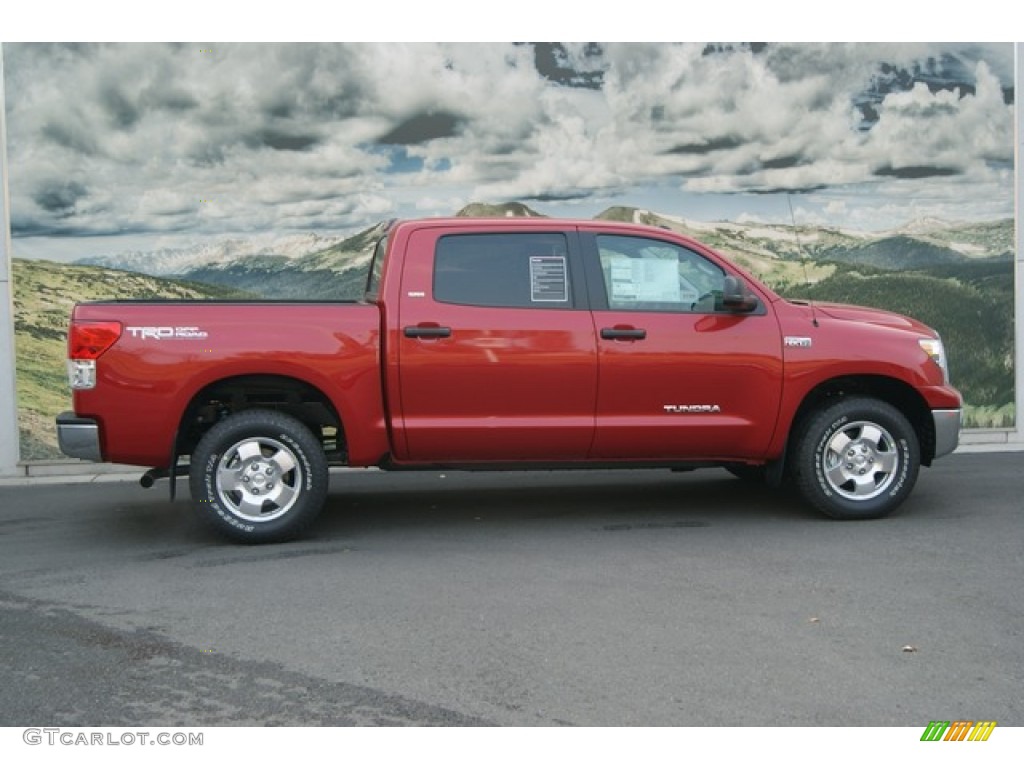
{"x":259,"y":479}
{"x":860,"y":461}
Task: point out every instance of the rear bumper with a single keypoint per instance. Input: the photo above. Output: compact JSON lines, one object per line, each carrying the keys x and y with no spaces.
{"x":78,"y":437}
{"x":947,"y":430}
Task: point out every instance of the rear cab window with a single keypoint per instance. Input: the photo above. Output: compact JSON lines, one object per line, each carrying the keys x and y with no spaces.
{"x":523,"y":270}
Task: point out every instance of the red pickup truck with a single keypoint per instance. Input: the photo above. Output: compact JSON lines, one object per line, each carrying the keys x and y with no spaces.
{"x":511,"y":344}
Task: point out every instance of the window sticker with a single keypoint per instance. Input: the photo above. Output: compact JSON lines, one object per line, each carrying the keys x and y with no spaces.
{"x":648,"y":280}
{"x":688,"y":293}
{"x":549,"y":278}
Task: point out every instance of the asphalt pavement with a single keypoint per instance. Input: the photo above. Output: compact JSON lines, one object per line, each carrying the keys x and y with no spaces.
{"x":550,"y":598}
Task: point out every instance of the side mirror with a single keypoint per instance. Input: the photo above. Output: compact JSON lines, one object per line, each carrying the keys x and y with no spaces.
{"x":736,"y":296}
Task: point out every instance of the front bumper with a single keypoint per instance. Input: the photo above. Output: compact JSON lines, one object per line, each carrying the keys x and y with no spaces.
{"x":78,"y":437}
{"x":947,"y":430}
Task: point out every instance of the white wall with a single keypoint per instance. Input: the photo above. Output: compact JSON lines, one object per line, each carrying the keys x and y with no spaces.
{"x":8,"y":400}
{"x":1018,"y":438}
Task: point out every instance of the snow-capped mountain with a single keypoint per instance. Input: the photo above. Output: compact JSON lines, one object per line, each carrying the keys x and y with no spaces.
{"x":178,"y":261}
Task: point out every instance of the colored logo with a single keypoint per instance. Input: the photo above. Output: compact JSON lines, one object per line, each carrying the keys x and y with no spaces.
{"x":958,"y":730}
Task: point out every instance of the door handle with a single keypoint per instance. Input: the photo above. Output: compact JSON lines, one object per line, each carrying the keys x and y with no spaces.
{"x":426,"y":332}
{"x":629,"y":334}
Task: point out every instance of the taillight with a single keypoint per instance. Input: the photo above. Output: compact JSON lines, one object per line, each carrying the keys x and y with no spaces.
{"x":87,"y":340}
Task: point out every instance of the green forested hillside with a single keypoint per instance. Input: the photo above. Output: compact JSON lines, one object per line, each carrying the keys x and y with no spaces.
{"x":898,"y":252}
{"x":280,"y":279}
{"x":969,"y":304}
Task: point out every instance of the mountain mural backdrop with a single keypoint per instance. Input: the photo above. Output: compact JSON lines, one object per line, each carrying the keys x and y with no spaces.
{"x":876,"y":173}
{"x":956,"y":278}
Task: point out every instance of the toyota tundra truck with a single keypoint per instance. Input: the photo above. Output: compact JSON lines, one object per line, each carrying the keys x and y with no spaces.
{"x":510,"y":344}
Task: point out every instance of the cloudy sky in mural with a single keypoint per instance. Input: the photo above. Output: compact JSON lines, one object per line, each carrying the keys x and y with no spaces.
{"x":156,"y":144}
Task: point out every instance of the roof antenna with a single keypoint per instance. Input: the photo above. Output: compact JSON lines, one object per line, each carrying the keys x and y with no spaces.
{"x":803,"y":257}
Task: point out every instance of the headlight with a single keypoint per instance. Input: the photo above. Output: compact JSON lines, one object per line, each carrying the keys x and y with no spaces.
{"x":935,"y":350}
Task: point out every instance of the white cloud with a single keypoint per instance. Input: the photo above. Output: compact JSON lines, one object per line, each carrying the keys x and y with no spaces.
{"x":944,"y":129}
{"x":129,"y":138}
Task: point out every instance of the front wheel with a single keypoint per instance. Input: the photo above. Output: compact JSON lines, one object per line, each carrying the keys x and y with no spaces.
{"x":857,"y":459}
{"x":259,"y":476}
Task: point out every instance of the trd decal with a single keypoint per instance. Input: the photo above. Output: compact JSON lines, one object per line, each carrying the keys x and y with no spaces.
{"x":165,"y":332}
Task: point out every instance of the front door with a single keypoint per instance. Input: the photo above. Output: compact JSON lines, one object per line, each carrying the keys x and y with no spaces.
{"x":681,"y":377}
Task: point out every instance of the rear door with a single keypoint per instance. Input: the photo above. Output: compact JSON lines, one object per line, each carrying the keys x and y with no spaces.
{"x":497,"y":357}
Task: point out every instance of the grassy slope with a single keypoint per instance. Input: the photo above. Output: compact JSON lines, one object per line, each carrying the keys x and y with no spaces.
{"x":44,"y":293}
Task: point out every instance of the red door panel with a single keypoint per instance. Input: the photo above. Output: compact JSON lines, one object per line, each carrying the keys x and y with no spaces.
{"x":495,"y":383}
{"x":681,"y":377}
{"x":696,"y":386}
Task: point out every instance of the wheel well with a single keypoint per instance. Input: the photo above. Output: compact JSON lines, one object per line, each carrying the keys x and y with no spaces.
{"x":280,"y":393}
{"x":896,"y":393}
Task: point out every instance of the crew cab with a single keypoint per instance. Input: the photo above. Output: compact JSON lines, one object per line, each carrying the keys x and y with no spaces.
{"x":511,"y":344}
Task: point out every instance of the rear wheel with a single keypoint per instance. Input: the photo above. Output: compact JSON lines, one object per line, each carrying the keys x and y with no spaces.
{"x":259,"y":476}
{"x":857,"y":459}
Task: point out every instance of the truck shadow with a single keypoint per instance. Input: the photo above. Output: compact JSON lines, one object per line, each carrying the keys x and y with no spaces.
{"x":612,"y":500}
{"x":107,"y":523}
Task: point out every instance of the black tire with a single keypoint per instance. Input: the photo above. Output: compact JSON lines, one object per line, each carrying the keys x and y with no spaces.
{"x":880,"y":458}
{"x":258,"y":476}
